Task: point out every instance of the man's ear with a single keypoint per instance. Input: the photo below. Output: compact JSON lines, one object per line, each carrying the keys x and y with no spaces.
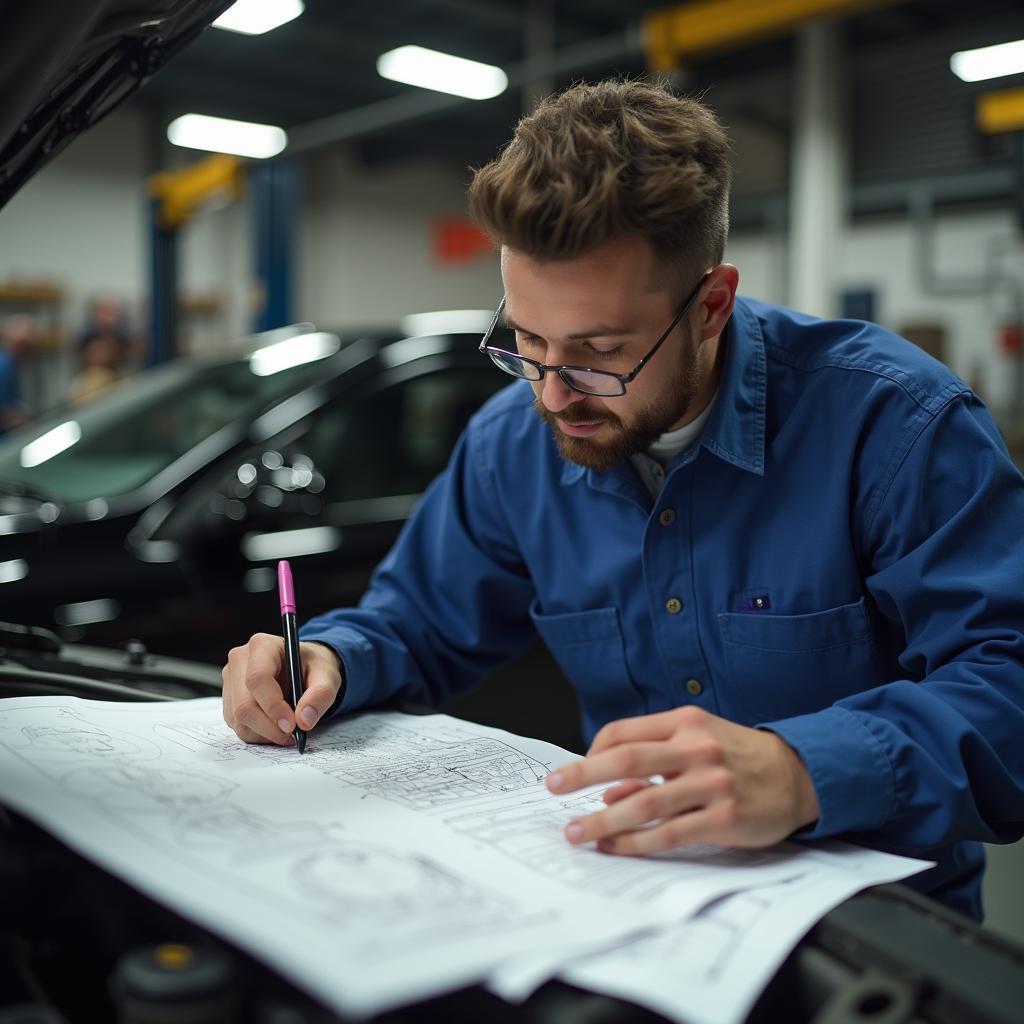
{"x":718,"y":299}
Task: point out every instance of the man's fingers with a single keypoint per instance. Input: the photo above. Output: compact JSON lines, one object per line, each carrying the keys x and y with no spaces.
{"x":620,"y":791}
{"x":697,"y":826}
{"x":263,"y":675}
{"x":322,"y":670}
{"x":247,"y":735}
{"x":628,"y":761}
{"x":250,"y":676}
{"x":254,"y":689}
{"x":644,"y":805}
{"x":253,"y":726}
{"x":645,"y":728}
{"x":315,"y":703}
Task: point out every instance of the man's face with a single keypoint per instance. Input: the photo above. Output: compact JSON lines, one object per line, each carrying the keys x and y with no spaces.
{"x":605,"y":310}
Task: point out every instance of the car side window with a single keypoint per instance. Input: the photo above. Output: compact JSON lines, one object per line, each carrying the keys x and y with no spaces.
{"x":395,"y":439}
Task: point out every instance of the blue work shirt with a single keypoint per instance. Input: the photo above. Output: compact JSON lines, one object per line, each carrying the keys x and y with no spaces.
{"x":839,"y":558}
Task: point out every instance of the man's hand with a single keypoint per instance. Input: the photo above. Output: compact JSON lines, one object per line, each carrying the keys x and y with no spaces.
{"x":725,"y":784}
{"x":256,"y":680}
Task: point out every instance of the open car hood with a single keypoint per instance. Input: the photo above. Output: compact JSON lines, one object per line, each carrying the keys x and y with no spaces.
{"x":65,"y":64}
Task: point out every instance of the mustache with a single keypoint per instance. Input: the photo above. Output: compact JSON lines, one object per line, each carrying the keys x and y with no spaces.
{"x":570,"y":416}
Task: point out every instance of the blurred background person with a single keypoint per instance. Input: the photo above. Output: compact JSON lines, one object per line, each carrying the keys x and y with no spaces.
{"x":101,"y":365}
{"x":17,"y":338}
{"x":104,"y":351}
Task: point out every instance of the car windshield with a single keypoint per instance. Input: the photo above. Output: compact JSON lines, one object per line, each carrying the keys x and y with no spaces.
{"x":125,"y":438}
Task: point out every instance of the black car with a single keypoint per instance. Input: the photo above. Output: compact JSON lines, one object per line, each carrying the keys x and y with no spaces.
{"x":158,"y":512}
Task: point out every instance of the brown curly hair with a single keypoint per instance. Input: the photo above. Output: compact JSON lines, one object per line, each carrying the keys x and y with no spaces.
{"x":611,"y":160}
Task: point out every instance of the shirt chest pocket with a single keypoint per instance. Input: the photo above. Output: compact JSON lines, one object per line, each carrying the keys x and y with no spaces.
{"x":784,"y":665}
{"x":589,"y":647}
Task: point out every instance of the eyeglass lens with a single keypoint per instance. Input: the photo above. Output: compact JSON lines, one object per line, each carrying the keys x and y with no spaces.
{"x":502,"y":347}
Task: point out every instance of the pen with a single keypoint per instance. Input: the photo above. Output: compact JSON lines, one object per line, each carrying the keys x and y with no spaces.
{"x":286,"y":593}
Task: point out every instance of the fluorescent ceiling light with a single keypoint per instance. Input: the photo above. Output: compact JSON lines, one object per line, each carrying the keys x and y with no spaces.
{"x":254,"y":17}
{"x":988,"y":62}
{"x":283,"y":355}
{"x":222,"y":135}
{"x":430,"y":69}
{"x":52,"y":443}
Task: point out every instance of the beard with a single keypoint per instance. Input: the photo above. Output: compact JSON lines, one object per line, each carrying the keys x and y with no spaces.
{"x":626,"y":439}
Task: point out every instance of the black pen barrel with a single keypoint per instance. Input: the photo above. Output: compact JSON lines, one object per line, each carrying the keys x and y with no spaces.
{"x":291,"y":650}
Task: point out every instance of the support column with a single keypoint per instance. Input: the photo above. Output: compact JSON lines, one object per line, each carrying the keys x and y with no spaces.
{"x":538,"y":47}
{"x":163,"y":287}
{"x":275,"y":204}
{"x":817,"y":183}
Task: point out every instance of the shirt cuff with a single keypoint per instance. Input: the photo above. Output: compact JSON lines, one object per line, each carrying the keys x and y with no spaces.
{"x":852,"y":776}
{"x":355,"y":653}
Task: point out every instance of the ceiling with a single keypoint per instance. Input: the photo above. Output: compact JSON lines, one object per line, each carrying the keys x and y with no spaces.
{"x":323,"y":63}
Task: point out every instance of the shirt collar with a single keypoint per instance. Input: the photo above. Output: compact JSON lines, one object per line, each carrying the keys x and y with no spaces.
{"x":735,"y":431}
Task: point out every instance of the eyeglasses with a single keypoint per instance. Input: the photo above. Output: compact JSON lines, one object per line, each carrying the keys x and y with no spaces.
{"x":579,"y":378}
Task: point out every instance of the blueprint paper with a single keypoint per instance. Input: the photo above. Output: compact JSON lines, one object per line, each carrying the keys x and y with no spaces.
{"x":712,"y":968}
{"x":724,"y":967}
{"x":401,"y":856}
{"x":327,"y":866}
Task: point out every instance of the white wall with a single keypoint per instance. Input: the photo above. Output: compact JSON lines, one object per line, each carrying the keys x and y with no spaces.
{"x":882,"y":257}
{"x":82,"y":219}
{"x":366,"y":246}
{"x":364,"y":255}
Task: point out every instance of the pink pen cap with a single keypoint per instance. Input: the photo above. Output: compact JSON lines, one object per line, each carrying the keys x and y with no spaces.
{"x":285,"y":590}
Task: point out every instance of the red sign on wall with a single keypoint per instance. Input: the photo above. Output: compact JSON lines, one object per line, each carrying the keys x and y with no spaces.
{"x":457,"y":240}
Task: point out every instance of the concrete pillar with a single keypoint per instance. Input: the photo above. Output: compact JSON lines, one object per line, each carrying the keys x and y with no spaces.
{"x":538,"y":46}
{"x":817,"y":182}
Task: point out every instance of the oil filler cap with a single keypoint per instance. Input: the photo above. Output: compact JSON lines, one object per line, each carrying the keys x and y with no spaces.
{"x":175,"y":983}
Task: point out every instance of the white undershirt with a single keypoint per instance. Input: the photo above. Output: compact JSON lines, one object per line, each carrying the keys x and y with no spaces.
{"x":651,"y":464}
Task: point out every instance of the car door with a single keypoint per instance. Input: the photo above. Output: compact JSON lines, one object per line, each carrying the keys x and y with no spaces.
{"x":330,"y":493}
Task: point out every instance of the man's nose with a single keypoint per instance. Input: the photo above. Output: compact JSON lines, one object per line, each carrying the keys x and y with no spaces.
{"x":556,"y":394}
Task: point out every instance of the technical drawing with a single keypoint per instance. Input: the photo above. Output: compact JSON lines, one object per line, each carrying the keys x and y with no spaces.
{"x":144,"y":788}
{"x":394,"y":901}
{"x":72,"y":735}
{"x":531,"y":831}
{"x":198,"y":735}
{"x":244,"y":836}
{"x":449,"y":774}
{"x":703,"y":949}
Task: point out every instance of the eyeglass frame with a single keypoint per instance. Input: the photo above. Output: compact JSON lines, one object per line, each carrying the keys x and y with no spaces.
{"x":544,"y":368}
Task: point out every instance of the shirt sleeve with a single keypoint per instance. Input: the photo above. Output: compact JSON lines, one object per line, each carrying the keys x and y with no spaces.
{"x":936,"y":756}
{"x":447,"y":604}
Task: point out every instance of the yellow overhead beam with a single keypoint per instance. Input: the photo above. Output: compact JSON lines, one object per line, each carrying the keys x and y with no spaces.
{"x":181,"y":193}
{"x":672,"y":35}
{"x":1000,"y":111}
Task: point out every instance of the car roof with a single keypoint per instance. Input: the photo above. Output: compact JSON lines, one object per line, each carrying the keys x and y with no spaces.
{"x":65,"y":64}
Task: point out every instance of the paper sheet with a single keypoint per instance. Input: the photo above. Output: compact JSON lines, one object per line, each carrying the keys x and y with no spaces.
{"x":712,"y":968}
{"x":400,"y":857}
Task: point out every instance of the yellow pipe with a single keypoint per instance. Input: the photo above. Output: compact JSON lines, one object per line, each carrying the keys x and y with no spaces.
{"x":674,"y":34}
{"x":1000,"y":111}
{"x":182,"y":192}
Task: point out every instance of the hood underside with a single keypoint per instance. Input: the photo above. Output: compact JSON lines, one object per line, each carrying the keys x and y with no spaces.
{"x":65,"y":64}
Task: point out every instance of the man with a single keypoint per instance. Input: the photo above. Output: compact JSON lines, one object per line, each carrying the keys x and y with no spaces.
{"x":16,"y":340}
{"x":779,"y":558}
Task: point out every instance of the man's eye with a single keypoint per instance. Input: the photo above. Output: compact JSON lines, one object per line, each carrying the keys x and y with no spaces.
{"x":608,"y":353}
{"x":526,"y":339}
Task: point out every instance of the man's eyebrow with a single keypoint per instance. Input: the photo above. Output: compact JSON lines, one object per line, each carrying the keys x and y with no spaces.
{"x":597,"y":331}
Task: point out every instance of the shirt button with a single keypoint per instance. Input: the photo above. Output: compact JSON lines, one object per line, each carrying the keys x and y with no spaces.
{"x":694,"y":687}
{"x":673,"y":606}
{"x":667,"y":517}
